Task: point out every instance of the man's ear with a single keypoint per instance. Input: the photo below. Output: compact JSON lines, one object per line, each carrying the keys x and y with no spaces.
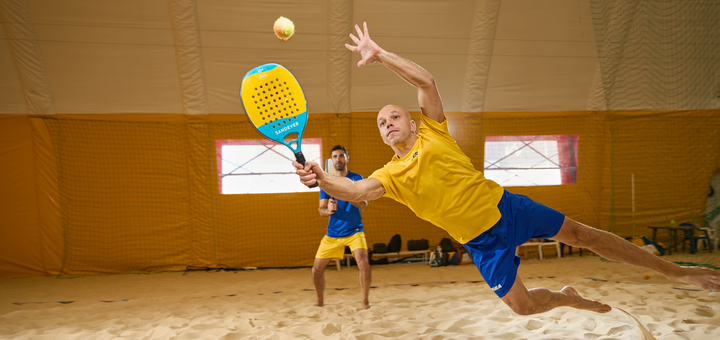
{"x":412,"y":125}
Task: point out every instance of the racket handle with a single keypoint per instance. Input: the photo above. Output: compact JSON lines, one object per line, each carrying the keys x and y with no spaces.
{"x":301,"y":159}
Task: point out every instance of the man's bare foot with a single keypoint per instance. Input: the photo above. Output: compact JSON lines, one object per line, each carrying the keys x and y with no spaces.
{"x":583,"y":303}
{"x":704,"y":278}
{"x":319,"y":304}
{"x":366,"y":305}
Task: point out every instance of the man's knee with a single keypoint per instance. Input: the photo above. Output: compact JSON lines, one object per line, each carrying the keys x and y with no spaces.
{"x":519,"y":299}
{"x":578,"y":234}
{"x":318,"y":269}
{"x":363,"y":264}
{"x":361,"y":257}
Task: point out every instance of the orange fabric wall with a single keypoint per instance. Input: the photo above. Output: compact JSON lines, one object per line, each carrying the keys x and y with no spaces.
{"x":147,"y":215}
{"x":31,"y":244}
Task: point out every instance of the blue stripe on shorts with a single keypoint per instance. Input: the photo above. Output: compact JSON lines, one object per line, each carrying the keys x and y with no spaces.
{"x":494,"y":250}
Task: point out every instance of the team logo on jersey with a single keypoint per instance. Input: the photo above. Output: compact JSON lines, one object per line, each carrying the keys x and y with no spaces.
{"x":413,"y":156}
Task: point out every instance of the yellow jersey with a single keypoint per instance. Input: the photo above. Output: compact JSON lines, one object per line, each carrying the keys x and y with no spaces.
{"x":437,"y":181}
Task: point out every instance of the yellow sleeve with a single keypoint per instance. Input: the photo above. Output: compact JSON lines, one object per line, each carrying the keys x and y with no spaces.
{"x":383,"y":175}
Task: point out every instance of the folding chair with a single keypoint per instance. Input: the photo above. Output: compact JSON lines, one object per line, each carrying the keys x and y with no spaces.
{"x":694,"y":241}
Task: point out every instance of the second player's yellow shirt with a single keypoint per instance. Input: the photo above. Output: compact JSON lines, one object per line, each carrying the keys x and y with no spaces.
{"x":437,"y":181}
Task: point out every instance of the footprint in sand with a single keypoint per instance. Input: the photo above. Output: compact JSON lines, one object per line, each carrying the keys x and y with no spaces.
{"x":667,"y":309}
{"x":705,"y":312}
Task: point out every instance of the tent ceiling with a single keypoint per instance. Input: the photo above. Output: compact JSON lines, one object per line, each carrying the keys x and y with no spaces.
{"x":175,"y":56}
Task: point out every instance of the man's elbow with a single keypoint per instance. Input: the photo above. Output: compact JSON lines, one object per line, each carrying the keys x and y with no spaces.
{"x":428,"y":82}
{"x":363,"y":197}
{"x":431,"y":80}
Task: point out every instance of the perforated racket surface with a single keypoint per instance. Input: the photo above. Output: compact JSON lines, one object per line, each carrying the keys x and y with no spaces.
{"x":276,"y":106}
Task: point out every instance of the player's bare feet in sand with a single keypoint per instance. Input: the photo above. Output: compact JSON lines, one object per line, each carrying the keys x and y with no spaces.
{"x":580,"y":302}
{"x":704,"y":278}
{"x":365,"y":304}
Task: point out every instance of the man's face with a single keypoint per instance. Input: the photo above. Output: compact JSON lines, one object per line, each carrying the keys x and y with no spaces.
{"x":394,"y":124}
{"x":339,"y":159}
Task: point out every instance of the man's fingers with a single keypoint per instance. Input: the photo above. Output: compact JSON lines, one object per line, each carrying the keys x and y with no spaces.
{"x":351,"y":47}
{"x":306,"y":173}
{"x":355,"y":39}
{"x":307,"y":179}
{"x":367,"y":34}
{"x":360,"y":33}
{"x":303,"y":171}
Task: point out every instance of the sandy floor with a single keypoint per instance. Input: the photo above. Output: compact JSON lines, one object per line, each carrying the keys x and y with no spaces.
{"x":410,"y":301}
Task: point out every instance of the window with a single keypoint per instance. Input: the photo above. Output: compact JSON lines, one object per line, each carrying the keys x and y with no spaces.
{"x":262,"y":166}
{"x":531,"y":160}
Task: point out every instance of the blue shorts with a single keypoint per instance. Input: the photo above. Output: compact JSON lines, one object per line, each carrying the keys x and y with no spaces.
{"x":494,"y":250}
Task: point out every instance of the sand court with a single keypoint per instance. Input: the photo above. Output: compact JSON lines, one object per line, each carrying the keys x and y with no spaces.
{"x":408,"y":301}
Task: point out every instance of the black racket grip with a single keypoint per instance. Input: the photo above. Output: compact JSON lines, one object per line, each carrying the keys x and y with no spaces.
{"x":301,"y":159}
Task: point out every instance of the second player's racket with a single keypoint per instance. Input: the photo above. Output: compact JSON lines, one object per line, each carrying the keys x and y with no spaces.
{"x":330,"y":167}
{"x":276,"y":106}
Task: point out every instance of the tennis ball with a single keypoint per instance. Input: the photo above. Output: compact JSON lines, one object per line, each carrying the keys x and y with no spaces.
{"x":284,"y":28}
{"x":646,"y":276}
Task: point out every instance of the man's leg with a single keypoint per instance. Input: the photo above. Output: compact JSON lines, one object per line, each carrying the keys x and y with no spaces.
{"x":361,"y":256}
{"x":538,"y":300}
{"x":318,"y":274}
{"x":617,"y":249}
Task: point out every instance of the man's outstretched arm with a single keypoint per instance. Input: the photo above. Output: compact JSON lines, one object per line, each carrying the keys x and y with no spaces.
{"x":428,"y":95}
{"x":339,"y":187}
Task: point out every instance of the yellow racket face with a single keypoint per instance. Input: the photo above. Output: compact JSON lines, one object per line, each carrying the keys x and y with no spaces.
{"x":274,"y":102}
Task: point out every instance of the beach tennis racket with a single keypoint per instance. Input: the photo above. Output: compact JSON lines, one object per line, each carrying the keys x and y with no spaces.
{"x":330,"y":167}
{"x":276,"y":105}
